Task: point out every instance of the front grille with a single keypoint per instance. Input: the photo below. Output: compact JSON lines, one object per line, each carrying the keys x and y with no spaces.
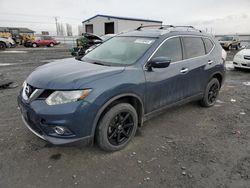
{"x":33,"y":126}
{"x":247,"y":57}
{"x":29,"y":89}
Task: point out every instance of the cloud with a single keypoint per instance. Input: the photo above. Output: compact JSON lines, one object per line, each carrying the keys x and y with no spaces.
{"x":222,"y":16}
{"x":230,"y":24}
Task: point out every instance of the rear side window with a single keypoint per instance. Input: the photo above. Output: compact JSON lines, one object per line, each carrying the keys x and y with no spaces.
{"x":171,"y":49}
{"x":208,"y":44}
{"x":194,"y":47}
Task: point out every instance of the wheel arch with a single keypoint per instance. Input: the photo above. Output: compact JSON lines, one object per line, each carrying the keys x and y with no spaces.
{"x":130,"y":98}
{"x":219,"y":76}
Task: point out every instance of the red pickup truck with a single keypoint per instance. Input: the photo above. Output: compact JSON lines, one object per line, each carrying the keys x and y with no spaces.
{"x":41,"y":41}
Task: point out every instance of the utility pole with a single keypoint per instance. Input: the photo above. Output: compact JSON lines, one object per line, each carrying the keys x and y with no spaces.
{"x":56,"y":26}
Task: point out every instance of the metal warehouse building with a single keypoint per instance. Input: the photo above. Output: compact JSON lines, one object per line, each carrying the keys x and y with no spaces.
{"x":104,"y":24}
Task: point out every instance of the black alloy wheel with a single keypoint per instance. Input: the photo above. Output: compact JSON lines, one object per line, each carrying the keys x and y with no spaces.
{"x":117,"y":127}
{"x":120,"y":128}
{"x":213,"y":93}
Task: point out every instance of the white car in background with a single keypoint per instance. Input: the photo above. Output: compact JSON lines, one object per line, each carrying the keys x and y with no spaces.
{"x":242,"y":59}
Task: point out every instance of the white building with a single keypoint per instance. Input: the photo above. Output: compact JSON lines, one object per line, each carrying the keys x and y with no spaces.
{"x":104,"y":24}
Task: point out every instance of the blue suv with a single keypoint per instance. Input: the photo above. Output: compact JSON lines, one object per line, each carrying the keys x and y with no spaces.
{"x":112,"y":90}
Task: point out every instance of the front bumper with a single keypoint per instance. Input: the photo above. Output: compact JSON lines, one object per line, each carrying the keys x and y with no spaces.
{"x":41,"y":119}
{"x":241,"y":63}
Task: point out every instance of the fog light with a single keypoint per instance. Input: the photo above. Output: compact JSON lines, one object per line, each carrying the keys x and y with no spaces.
{"x":59,"y":130}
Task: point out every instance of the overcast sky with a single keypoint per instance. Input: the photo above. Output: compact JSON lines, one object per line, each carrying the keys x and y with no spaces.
{"x":218,"y":16}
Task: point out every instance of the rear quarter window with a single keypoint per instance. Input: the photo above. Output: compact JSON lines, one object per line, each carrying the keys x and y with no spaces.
{"x":193,"y":47}
{"x":208,"y":45}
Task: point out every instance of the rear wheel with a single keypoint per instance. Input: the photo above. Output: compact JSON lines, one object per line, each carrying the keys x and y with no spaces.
{"x":2,"y":46}
{"x":117,"y":127}
{"x":211,"y":93}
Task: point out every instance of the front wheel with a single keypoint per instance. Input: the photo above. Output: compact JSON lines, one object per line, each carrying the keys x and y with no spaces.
{"x":34,"y":45}
{"x":2,"y":46}
{"x":117,"y":127}
{"x":51,"y":45}
{"x":211,"y":93}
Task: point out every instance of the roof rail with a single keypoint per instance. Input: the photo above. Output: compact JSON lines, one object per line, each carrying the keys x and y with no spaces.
{"x":159,"y":26}
{"x":170,"y":26}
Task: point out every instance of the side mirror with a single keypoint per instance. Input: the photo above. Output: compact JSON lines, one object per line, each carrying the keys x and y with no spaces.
{"x":159,"y":62}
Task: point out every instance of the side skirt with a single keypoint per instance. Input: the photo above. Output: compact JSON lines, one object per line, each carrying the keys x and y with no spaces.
{"x":178,"y":103}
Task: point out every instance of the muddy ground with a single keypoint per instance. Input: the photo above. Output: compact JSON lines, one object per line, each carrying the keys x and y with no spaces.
{"x":187,"y":146}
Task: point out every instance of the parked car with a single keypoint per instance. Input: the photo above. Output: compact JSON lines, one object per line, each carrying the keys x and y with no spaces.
{"x":41,"y":41}
{"x":113,"y":89}
{"x":229,"y":42}
{"x":11,"y":42}
{"x":242,"y":59}
{"x":4,"y":43}
{"x":104,"y":38}
{"x":85,"y":42}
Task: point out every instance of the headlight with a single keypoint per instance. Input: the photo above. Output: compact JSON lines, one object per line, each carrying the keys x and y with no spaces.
{"x":62,"y":97}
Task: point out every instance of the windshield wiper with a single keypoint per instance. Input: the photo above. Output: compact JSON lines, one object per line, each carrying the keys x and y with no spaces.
{"x":97,"y":63}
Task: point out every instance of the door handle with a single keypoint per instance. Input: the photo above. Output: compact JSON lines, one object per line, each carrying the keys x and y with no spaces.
{"x":210,"y":62}
{"x":184,"y":70}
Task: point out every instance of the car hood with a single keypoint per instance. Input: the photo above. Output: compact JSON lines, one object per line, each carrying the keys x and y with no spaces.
{"x":244,"y":52}
{"x":69,"y":74}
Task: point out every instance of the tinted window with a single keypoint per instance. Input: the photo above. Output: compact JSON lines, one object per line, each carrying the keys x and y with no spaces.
{"x":171,"y":49}
{"x":193,"y":46}
{"x":208,"y":44}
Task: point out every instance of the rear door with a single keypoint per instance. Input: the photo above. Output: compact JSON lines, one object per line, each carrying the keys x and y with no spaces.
{"x":195,"y":58}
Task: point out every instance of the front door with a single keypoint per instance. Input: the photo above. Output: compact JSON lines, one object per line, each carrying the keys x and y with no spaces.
{"x":167,"y":85}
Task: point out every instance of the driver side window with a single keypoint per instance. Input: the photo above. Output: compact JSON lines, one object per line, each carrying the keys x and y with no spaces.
{"x":171,"y":49}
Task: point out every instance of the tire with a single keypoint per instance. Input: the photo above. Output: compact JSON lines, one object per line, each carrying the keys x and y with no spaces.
{"x":211,"y":93}
{"x":117,"y":127}
{"x":229,"y":47}
{"x":34,"y":45}
{"x":51,"y":45}
{"x":2,"y":46}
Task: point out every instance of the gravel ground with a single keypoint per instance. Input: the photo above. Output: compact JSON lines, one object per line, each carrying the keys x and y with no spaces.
{"x":187,"y":146}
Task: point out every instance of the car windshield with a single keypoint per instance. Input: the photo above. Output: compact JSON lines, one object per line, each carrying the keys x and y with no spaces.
{"x":119,"y":51}
{"x":226,"y":39}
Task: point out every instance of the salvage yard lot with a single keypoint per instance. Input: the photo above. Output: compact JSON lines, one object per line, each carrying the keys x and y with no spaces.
{"x":187,"y":146}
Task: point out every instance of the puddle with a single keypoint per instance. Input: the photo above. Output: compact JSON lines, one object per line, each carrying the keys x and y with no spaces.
{"x":14,"y":51}
{"x":5,"y":64}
